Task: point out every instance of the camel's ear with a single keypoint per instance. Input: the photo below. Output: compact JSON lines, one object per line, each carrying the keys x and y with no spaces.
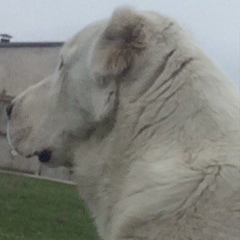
{"x":119,"y":44}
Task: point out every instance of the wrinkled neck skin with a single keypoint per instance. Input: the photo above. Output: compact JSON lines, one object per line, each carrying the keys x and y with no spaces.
{"x":168,"y":124}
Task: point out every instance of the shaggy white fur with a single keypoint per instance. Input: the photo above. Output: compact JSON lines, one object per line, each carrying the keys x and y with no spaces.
{"x":150,"y":124}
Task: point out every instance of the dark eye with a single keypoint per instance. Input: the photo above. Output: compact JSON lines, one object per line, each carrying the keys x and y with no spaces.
{"x":61,"y":64}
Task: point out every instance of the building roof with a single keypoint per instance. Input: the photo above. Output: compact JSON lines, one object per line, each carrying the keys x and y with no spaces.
{"x":30,"y":44}
{"x":5,"y":35}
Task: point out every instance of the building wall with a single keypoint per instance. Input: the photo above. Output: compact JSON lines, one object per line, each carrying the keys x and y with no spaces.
{"x":22,"y":65}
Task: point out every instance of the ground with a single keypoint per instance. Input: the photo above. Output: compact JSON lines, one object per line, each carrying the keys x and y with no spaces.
{"x":32,"y":209}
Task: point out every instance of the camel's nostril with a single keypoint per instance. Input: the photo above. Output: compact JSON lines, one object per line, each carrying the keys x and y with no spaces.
{"x":9,"y":110}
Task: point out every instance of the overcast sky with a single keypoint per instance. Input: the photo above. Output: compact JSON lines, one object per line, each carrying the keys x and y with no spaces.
{"x":214,"y":23}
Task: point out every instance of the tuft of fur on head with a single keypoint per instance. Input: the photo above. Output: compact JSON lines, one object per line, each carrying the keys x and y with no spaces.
{"x":120,"y":42}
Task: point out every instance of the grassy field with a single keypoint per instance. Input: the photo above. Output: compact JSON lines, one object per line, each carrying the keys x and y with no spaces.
{"x":32,"y":209}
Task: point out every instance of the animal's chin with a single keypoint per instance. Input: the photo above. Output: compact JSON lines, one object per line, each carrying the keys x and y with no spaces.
{"x":44,"y":156}
{"x":54,"y":158}
{"x":51,"y":156}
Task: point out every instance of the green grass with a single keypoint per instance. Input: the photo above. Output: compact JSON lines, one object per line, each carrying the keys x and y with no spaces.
{"x":32,"y":209}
